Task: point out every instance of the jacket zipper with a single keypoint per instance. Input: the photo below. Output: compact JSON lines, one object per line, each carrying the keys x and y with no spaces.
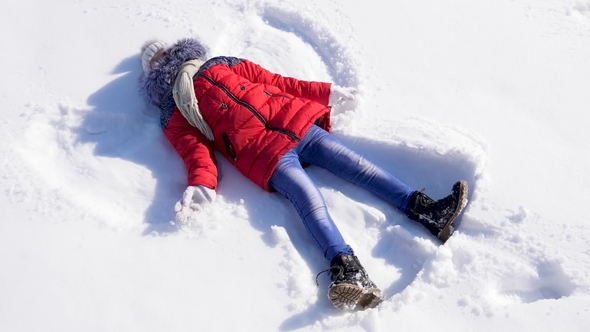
{"x":251,"y":109}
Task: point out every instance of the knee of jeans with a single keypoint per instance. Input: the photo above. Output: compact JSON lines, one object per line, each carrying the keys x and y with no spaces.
{"x":316,"y":208}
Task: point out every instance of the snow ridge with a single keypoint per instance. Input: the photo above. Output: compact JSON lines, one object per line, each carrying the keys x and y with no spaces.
{"x":90,"y":240}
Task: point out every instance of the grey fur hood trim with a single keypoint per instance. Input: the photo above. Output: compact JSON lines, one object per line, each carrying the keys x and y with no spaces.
{"x":160,"y":80}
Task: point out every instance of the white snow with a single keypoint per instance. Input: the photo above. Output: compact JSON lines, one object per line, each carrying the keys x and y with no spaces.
{"x":493,"y":92}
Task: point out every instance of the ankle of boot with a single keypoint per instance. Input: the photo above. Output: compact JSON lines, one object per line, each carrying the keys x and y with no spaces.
{"x":410,"y":203}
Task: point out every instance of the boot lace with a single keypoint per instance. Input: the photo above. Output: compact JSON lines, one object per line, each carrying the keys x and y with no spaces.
{"x":340,"y":273}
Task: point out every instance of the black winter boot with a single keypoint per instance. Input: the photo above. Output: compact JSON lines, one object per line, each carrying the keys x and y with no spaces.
{"x":351,"y":285}
{"x":438,"y":216}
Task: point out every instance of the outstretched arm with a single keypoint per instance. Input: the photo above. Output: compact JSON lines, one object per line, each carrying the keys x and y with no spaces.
{"x":316,"y":91}
{"x":195,"y":149}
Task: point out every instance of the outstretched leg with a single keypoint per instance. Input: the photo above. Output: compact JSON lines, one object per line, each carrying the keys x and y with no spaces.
{"x":351,"y":285}
{"x":292,"y":181}
{"x":326,"y":151}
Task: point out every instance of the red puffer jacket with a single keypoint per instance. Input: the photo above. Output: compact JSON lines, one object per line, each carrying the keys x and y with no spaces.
{"x":256,"y":117}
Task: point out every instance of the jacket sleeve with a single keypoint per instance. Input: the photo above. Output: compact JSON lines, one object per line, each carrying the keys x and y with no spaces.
{"x":316,"y":91}
{"x":196,"y":151}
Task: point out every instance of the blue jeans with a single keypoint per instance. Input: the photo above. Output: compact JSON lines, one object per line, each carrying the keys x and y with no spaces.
{"x":320,"y":148}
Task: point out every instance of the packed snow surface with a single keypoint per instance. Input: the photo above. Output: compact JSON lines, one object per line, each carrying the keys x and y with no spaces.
{"x":492,"y":92}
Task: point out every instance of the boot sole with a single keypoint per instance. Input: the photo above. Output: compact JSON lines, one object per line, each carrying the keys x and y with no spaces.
{"x":371,"y":298}
{"x":444,"y":235}
{"x":347,"y":296}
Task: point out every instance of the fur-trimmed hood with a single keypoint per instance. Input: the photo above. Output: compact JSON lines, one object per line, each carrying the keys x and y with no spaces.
{"x":160,"y":80}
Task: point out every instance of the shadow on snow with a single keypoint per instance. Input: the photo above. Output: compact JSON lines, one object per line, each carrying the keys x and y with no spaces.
{"x":122,"y":126}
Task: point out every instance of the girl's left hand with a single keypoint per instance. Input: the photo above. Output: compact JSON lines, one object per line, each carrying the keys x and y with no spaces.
{"x":339,"y":94}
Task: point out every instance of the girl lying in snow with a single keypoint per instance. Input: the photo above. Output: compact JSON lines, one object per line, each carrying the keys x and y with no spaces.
{"x":268,"y":126}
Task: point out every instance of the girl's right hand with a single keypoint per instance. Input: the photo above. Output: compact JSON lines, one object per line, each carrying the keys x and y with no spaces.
{"x":194,"y":200}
